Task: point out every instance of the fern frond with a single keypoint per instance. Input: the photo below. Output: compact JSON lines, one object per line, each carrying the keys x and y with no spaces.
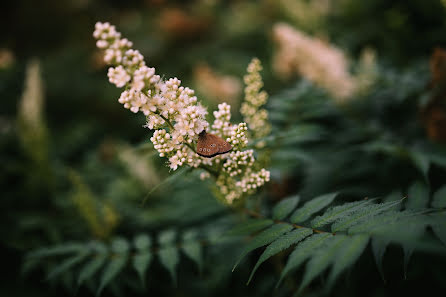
{"x":110,"y":261}
{"x":352,"y":226}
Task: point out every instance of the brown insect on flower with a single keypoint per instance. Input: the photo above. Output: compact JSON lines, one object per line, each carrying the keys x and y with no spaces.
{"x":210,"y":145}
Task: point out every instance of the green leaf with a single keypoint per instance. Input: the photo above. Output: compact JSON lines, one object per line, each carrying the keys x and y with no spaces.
{"x":121,"y":248}
{"x":418,"y":196}
{"x":68,"y":263}
{"x":440,"y":232}
{"x":379,"y":246}
{"x":438,"y":224}
{"x":311,"y":207}
{"x":111,"y":271}
{"x":285,"y":207}
{"x":89,"y":269}
{"x":265,"y":237}
{"x":167,"y":237}
{"x":169,"y":258}
{"x":439,"y":199}
{"x":68,"y":248}
{"x":361,"y":215}
{"x":337,"y":212}
{"x":348,"y":255}
{"x":406,"y":230}
{"x":384,"y":219}
{"x":322,"y":259}
{"x":142,"y":242}
{"x":281,"y":243}
{"x":193,"y":250}
{"x":143,"y":257}
{"x":302,"y":252}
{"x":251,"y":226}
{"x":421,"y":161}
{"x":141,"y":262}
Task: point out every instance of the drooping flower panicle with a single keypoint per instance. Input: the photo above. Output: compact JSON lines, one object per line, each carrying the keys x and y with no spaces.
{"x":177,"y":117}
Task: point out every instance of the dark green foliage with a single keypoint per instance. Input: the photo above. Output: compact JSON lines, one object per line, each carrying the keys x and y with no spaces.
{"x":79,"y":218}
{"x":352,"y":226}
{"x":109,"y":261}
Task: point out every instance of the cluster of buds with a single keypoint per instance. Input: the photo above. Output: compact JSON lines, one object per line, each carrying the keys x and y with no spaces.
{"x":177,"y":117}
{"x":255,"y":116}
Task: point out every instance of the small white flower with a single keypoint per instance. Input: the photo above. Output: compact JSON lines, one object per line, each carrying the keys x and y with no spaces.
{"x":118,"y":76}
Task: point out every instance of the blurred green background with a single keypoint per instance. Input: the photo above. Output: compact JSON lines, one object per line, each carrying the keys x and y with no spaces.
{"x":76,"y":166}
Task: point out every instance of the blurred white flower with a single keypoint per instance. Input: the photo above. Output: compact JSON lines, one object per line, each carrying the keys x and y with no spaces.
{"x":314,"y":59}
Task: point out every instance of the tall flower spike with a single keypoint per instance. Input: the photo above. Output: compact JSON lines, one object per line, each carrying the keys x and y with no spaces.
{"x":255,"y":116}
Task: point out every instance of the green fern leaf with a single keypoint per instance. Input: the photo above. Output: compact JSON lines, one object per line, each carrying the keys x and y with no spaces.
{"x":68,"y":248}
{"x":249,"y":227}
{"x":141,"y":262}
{"x":438,"y":224}
{"x":111,"y":271}
{"x":379,"y":246}
{"x":440,"y":232}
{"x":407,"y":230}
{"x":167,"y":237}
{"x":302,"y":252}
{"x":169,"y":258}
{"x":192,"y":248}
{"x":67,"y":264}
{"x":361,"y":215}
{"x":322,"y":258}
{"x":143,"y":257}
{"x":265,"y":237}
{"x":280,"y":244}
{"x":311,"y":207}
{"x":421,"y":162}
{"x":348,"y":255}
{"x":337,"y":212}
{"x":285,"y":207}
{"x":89,"y":269}
{"x":384,"y":219}
{"x":418,"y":196}
{"x":439,"y":199}
{"x":142,"y":242}
{"x":121,"y":248}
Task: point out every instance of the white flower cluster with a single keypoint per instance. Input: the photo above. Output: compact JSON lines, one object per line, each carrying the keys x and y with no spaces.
{"x":253,"y":180}
{"x":237,"y":138}
{"x":222,"y":125}
{"x":177,"y":117}
{"x":314,"y":59}
{"x":253,"y":114}
{"x":238,"y":160}
{"x":234,"y":189}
